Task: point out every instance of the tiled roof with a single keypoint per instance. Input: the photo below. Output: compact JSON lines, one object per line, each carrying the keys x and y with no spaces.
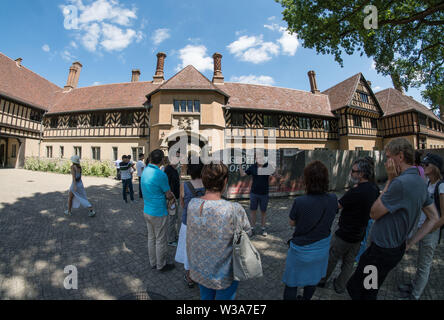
{"x":111,"y":96}
{"x":22,"y":84}
{"x":262,"y":97}
{"x":189,"y":78}
{"x":392,"y":101}
{"x":341,"y":94}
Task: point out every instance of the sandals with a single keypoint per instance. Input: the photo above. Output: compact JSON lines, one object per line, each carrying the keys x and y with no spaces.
{"x":189,"y":282}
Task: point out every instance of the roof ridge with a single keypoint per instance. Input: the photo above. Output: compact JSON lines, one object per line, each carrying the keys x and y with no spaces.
{"x":354,"y":87}
{"x":265,"y":85}
{"x":190,"y":66}
{"x":341,"y":82}
{"x":111,"y":84}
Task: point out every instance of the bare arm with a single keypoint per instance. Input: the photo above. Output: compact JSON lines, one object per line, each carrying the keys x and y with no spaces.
{"x":430,"y":222}
{"x":440,"y":222}
{"x":340,"y":206}
{"x":378,"y":210}
{"x":292,"y":223}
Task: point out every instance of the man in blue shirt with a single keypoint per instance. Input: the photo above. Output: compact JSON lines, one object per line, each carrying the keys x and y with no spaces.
{"x":156,"y":190}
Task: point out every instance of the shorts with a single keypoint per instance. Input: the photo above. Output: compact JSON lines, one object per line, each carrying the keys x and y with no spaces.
{"x":258,"y":200}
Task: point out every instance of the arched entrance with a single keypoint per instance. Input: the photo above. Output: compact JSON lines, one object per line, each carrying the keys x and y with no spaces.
{"x":189,"y":144}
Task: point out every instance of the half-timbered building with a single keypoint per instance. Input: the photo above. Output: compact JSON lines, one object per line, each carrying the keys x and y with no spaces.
{"x":39,"y":118}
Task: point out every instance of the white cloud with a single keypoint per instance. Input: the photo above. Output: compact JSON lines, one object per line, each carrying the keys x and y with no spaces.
{"x":67,"y":56}
{"x":101,"y":10}
{"x":97,"y":83}
{"x":91,"y":37}
{"x":261,"y":54}
{"x":252,"y":79}
{"x":253,"y":49}
{"x":289,"y":42}
{"x":271,"y":18}
{"x":373,"y":66}
{"x":195,"y":56}
{"x":104,"y":24}
{"x":272,"y":27}
{"x":160,"y":35}
{"x":46,"y":48}
{"x":377,"y":88}
{"x":244,"y":43}
{"x":115,"y":39}
{"x":73,"y":44}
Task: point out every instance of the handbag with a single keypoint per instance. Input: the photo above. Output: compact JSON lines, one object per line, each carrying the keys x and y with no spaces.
{"x":246,"y":259}
{"x":172,"y":207}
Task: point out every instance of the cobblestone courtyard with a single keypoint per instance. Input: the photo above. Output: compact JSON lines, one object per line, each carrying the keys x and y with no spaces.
{"x":110,"y":251}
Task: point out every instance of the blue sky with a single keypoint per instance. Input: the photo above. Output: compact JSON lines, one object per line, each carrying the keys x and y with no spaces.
{"x":114,"y":36}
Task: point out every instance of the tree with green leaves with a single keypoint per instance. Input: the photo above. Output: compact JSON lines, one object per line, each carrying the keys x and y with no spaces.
{"x":407,"y":44}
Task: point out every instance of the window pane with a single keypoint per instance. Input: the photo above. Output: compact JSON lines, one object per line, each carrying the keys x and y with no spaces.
{"x":176,"y":105}
{"x":196,"y":106}
{"x":115,"y":153}
{"x":190,"y":106}
{"x":183,"y":106}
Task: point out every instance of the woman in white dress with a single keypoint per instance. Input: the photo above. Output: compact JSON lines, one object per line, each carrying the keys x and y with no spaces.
{"x":77,"y":193}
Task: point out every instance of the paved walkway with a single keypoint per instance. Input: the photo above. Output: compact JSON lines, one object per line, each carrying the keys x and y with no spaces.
{"x":110,"y":250}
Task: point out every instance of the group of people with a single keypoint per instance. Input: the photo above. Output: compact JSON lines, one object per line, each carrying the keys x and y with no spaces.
{"x":407,"y":211}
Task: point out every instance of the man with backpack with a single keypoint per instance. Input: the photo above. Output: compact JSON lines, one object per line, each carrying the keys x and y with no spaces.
{"x":432,"y":164}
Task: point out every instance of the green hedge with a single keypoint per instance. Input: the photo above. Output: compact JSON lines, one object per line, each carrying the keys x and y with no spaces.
{"x":89,"y":168}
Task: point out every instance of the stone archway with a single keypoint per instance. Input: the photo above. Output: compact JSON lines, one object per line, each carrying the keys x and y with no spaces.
{"x":192,"y":146}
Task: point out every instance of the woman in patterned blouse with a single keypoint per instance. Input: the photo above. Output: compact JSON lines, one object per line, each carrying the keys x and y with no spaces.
{"x":210,"y":232}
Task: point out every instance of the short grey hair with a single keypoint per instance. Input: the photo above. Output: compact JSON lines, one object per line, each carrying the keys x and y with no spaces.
{"x":365,"y":167}
{"x":402,"y":145}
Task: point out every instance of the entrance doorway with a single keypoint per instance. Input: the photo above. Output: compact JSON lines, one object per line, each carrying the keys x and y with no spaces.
{"x":193,"y":144}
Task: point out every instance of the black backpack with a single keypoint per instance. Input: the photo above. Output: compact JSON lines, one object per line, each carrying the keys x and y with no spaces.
{"x":438,"y":205}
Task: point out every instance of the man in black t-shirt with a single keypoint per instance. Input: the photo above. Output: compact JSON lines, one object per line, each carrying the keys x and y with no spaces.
{"x":355,"y":205}
{"x":260,"y":171}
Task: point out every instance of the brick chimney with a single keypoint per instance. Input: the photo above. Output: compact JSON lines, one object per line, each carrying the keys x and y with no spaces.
{"x":18,"y":61}
{"x":159,"y":76}
{"x":73,"y":76}
{"x":218,"y":77}
{"x":135,"y":75}
{"x":313,"y":84}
